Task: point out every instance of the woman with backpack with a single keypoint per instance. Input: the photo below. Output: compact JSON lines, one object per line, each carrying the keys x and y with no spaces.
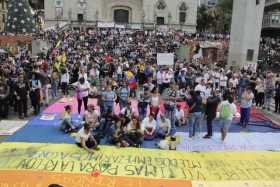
{"x":226,"y":110}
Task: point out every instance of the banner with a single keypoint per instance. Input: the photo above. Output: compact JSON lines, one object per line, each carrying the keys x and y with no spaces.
{"x":120,"y":26}
{"x":105,"y":24}
{"x":145,"y":163}
{"x":40,"y":46}
{"x":165,"y":59}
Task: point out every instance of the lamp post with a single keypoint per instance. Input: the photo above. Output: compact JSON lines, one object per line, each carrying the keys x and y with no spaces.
{"x":96,"y":17}
{"x":143,"y":19}
{"x":155,"y":19}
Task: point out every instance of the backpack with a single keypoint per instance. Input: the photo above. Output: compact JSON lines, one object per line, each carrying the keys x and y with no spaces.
{"x":225,"y":111}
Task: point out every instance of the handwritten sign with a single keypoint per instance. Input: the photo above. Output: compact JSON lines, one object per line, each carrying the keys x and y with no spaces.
{"x":141,"y":163}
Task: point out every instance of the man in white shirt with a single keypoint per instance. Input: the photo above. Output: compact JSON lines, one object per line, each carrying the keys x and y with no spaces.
{"x":201,"y":87}
{"x":223,"y":82}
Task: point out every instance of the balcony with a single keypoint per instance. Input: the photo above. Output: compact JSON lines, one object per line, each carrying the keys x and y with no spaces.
{"x":271,"y":20}
{"x":269,"y":3}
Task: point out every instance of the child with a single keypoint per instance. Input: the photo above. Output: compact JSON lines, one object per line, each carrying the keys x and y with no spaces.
{"x":66,"y":123}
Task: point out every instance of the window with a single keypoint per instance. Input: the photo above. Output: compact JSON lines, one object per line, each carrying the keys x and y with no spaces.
{"x":182,"y":17}
{"x":3,"y":4}
{"x":250,"y":55}
{"x":80,"y":17}
{"x":161,"y":5}
{"x":3,"y":18}
{"x":182,"y":13}
{"x":59,"y":3}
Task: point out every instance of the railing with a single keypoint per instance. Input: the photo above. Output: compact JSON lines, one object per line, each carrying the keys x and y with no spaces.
{"x":271,"y":20}
{"x":151,"y":26}
{"x":271,"y":2}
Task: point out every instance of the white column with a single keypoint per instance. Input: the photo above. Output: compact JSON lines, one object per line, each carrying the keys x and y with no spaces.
{"x":245,"y":32}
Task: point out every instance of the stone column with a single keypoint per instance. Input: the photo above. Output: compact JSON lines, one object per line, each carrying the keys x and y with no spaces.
{"x":245,"y":32}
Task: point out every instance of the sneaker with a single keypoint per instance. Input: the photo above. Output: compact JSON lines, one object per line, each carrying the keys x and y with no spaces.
{"x":206,"y":137}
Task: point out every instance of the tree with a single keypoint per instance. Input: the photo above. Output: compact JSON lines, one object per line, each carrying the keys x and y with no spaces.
{"x":224,"y":9}
{"x":20,"y":17}
{"x":203,"y":19}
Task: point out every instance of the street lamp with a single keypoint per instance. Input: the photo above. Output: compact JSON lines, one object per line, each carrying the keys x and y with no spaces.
{"x":96,"y":17}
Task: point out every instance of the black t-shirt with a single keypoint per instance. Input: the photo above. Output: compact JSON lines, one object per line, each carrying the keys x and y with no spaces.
{"x":198,"y":102}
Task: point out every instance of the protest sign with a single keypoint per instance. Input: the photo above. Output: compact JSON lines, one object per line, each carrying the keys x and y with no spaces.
{"x":166,"y":59}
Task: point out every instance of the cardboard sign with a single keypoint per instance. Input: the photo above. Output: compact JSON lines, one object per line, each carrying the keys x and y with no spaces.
{"x":165,"y":59}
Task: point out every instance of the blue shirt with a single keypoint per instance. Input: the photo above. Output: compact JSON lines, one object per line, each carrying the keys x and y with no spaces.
{"x":124,"y":93}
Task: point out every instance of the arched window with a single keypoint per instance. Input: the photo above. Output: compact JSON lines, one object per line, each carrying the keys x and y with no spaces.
{"x":182,"y":13}
{"x":161,"y":5}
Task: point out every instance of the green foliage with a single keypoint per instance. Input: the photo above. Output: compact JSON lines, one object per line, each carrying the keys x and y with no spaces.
{"x":20,"y":18}
{"x":216,"y":19}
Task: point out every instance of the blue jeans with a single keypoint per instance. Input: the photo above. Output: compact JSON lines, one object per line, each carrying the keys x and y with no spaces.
{"x":267,"y":102}
{"x":245,"y":116}
{"x":170,"y":114}
{"x":54,"y":88}
{"x":194,"y":122}
{"x":108,"y":106}
{"x":142,"y":111}
{"x":122,"y":103}
{"x":66,"y":125}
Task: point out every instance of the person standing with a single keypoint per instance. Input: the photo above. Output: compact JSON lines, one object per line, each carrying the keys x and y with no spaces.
{"x":170,"y":105}
{"x":123,"y":95}
{"x":54,"y":83}
{"x":245,"y":107}
{"x":211,"y":109}
{"x":269,"y":89}
{"x":260,"y":93}
{"x":35,"y":93}
{"x":195,"y":112}
{"x":277,"y":97}
{"x":109,"y":98}
{"x":227,"y":110}
{"x":64,"y":79}
{"x":144,"y":100}
{"x":21,"y":93}
{"x":82,"y":91}
{"x":4,"y":101}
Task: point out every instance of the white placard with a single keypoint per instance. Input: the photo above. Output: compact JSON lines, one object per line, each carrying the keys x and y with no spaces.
{"x":105,"y":24}
{"x":9,"y":127}
{"x":119,"y":26}
{"x":165,"y":59}
{"x":136,"y":26}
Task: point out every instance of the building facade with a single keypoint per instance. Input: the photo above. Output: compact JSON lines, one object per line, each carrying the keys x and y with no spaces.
{"x":3,"y":14}
{"x":271,"y":20}
{"x":208,"y":3}
{"x":179,"y":14}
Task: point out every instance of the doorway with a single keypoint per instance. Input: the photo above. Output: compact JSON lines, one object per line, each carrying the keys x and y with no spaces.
{"x":160,"y":20}
{"x":121,"y":16}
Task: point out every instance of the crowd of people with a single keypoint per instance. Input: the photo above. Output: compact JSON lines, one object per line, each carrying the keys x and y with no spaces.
{"x":119,"y":68}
